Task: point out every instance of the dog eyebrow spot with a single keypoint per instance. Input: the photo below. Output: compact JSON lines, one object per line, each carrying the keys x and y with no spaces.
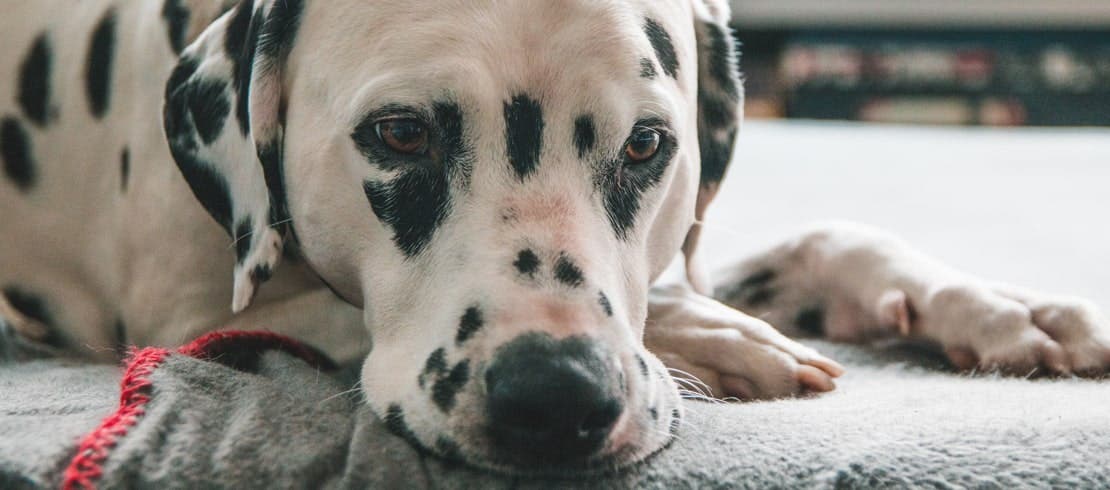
{"x":447,"y":387}
{"x":606,"y":306}
{"x":585,"y":135}
{"x":523,"y":133}
{"x":15,"y":149}
{"x":98,"y":64}
{"x":567,"y":272}
{"x":647,"y":69}
{"x":527,"y":262}
{"x":34,"y":81}
{"x":470,"y":323}
{"x":664,"y":48}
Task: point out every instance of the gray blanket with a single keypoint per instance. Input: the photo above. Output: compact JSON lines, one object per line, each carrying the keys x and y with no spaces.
{"x":899,"y":419}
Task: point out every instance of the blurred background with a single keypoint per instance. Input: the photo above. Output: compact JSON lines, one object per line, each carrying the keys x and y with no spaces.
{"x":960,"y":62}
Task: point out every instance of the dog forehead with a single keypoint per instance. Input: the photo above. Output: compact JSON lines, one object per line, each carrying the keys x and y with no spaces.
{"x":557,"y":46}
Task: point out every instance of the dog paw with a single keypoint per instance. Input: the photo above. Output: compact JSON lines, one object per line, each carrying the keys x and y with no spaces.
{"x":715,"y":351}
{"x":1021,"y":333}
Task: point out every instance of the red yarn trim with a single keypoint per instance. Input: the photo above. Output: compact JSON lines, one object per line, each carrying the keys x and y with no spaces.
{"x":87,"y":465}
{"x":85,"y":468}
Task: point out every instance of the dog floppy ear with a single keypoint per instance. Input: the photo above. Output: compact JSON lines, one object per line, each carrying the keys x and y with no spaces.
{"x":223,"y":120}
{"x":720,"y":110}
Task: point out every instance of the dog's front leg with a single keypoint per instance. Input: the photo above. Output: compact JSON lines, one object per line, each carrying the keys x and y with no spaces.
{"x":712,"y":349}
{"x":850,"y":282}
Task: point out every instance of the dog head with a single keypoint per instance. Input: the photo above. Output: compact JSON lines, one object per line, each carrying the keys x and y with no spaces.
{"x":496,"y":184}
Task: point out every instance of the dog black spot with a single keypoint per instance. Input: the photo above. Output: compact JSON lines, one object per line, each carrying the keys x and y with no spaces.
{"x":124,"y":168}
{"x":722,"y":60}
{"x":434,"y":367}
{"x":176,"y":17}
{"x":413,"y":205}
{"x":121,"y":337}
{"x":98,"y":64}
{"x":34,"y":81}
{"x":395,"y":422}
{"x":644,"y":371}
{"x":273,"y":170}
{"x":811,"y":320}
{"x":34,"y":307}
{"x":760,"y":297}
{"x":647,"y":69}
{"x":606,"y":306}
{"x":567,"y":272}
{"x":261,"y":273}
{"x":524,"y":133}
{"x":623,"y":183}
{"x":676,"y":421}
{"x":279,"y":31}
{"x":527,"y":262}
{"x":15,"y":148}
{"x":654,"y":412}
{"x":716,"y":150}
{"x":469,"y":324}
{"x":239,"y":43}
{"x":208,"y":106}
{"x":447,"y":387}
{"x":759,"y":278}
{"x":208,"y":185}
{"x":242,"y":239}
{"x":448,"y":449}
{"x":585,"y":135}
{"x":664,"y":48}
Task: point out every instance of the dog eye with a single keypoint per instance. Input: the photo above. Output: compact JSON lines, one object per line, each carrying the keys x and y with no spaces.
{"x":406,"y":136}
{"x":642,"y":145}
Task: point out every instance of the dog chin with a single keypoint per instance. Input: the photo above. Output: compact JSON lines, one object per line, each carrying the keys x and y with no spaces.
{"x":519,"y":466}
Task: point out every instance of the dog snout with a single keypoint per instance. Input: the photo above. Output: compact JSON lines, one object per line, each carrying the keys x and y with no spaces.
{"x":552,"y":399}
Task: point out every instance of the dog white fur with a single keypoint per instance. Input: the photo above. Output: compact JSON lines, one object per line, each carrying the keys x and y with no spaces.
{"x":109,"y":241}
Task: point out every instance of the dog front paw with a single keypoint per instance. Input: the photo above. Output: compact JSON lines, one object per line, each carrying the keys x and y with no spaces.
{"x":714,"y":351}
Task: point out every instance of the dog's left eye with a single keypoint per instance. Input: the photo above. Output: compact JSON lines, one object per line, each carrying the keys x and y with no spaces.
{"x":642,"y":145}
{"x":405,"y":136}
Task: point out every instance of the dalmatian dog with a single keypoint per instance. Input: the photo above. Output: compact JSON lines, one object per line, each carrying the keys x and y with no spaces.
{"x":476,"y":196}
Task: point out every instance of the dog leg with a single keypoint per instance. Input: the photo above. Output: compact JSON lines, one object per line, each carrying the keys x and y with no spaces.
{"x":714,"y":350}
{"x":849,"y":282}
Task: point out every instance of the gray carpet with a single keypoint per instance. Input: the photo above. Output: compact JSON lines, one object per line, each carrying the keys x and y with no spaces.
{"x":1026,"y":206}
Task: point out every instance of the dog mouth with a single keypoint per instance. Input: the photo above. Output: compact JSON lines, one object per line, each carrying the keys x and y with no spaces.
{"x":613,"y":461}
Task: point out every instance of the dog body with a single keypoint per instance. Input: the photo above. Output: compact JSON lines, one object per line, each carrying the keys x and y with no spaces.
{"x":482,"y":192}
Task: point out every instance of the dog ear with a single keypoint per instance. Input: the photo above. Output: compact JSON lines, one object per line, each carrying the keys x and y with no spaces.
{"x":720,"y":110}
{"x":223,"y":118}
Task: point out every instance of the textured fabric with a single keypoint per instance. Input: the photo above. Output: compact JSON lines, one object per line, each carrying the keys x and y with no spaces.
{"x":898,"y":419}
{"x":1027,"y":206}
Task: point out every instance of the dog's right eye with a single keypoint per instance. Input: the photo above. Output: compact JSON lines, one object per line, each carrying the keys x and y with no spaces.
{"x":404,"y":136}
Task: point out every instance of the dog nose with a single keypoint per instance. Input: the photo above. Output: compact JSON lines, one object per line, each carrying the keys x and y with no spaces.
{"x":551,"y":400}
